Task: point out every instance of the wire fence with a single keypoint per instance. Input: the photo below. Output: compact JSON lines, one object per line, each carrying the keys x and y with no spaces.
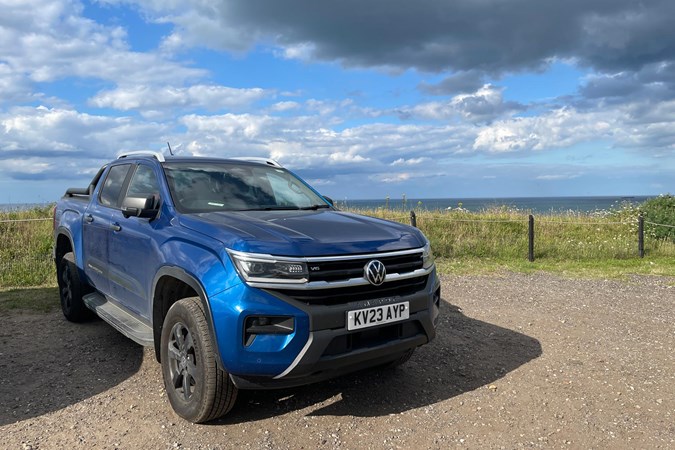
{"x":26,"y":244}
{"x":26,"y":252}
{"x":564,"y":237}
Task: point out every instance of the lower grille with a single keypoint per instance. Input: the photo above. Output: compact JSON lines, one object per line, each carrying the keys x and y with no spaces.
{"x":372,"y":337}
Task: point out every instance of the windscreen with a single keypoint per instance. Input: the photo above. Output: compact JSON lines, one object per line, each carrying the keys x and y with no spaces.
{"x":214,"y":186}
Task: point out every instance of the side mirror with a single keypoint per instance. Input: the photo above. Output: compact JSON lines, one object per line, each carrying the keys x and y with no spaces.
{"x":146,"y":207}
{"x":329,"y":200}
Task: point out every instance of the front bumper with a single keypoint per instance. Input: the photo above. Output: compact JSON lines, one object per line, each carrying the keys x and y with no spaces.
{"x":321,"y":347}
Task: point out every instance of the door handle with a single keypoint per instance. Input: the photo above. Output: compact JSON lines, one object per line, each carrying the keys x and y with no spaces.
{"x":116,"y":226}
{"x":88,"y":218}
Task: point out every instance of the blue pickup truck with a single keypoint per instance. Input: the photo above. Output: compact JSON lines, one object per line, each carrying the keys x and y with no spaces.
{"x":240,"y":275}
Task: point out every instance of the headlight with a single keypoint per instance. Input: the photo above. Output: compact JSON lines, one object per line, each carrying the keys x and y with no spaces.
{"x":427,"y":256}
{"x":266,"y":268}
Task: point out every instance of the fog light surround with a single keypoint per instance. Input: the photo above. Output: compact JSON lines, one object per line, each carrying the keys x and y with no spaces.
{"x":256,"y":325}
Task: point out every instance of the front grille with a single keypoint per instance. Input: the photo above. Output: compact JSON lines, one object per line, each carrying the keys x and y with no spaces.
{"x":372,"y":337}
{"x":341,"y":270}
{"x":337,"y":296}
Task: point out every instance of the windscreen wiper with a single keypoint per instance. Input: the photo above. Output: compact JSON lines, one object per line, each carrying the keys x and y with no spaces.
{"x":271,"y":208}
{"x":314,"y":207}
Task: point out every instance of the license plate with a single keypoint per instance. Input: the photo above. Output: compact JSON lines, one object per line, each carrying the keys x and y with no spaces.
{"x":369,"y":317}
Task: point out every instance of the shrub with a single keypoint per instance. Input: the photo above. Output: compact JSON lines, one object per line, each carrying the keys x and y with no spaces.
{"x":660,"y":210}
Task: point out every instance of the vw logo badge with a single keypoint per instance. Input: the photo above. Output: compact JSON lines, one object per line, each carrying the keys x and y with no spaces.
{"x":375,"y":272}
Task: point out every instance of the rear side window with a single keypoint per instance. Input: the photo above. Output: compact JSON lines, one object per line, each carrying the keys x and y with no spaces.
{"x":110,"y":192}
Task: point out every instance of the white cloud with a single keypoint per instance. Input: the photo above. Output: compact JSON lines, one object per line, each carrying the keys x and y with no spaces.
{"x":347,"y":158}
{"x":484,"y":105}
{"x":47,"y":40}
{"x":409,"y":162}
{"x":392,"y":178}
{"x":557,"y":177}
{"x":559,"y":128}
{"x":321,"y":182}
{"x":284,"y":106}
{"x":61,"y":142}
{"x":147,"y":97}
{"x":303,"y":51}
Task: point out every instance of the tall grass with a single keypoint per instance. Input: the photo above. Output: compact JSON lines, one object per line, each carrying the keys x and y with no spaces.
{"x":563,"y":240}
{"x":602,"y":242}
{"x":26,"y":248}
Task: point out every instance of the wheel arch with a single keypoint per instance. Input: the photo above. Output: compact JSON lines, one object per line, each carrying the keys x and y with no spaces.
{"x":170,"y":285}
{"x":63,"y":244}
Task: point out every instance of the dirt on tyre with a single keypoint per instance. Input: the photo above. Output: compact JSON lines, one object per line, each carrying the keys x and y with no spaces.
{"x":71,"y":290}
{"x":197,"y":389}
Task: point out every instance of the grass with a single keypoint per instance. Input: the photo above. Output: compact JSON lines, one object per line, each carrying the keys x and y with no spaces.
{"x":598,"y":244}
{"x":26,"y":248}
{"x":41,"y":300}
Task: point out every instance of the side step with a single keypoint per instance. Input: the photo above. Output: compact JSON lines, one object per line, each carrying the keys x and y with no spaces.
{"x":120,"y":319}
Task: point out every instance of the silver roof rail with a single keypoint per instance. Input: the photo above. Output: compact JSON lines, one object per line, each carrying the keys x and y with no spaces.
{"x":158,"y":156}
{"x":267,"y":161}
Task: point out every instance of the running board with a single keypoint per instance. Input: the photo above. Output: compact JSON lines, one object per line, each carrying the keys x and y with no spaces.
{"x":120,"y":319}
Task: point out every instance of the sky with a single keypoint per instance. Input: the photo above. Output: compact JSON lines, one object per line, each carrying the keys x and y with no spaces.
{"x":363,"y":99}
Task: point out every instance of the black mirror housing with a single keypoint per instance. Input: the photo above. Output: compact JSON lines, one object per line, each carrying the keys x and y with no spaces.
{"x":146,"y":207}
{"x":329,"y":200}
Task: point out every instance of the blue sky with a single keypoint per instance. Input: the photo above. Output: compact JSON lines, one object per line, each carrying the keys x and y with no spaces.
{"x":363,"y":99}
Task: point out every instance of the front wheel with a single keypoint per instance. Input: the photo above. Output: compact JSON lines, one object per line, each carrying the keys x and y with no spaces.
{"x":400,"y":360}
{"x":197,"y":389}
{"x":72,"y":289}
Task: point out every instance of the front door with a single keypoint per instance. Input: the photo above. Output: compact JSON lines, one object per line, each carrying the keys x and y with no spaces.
{"x":132,"y":257}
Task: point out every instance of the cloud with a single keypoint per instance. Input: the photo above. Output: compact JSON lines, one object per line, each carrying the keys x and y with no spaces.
{"x":431,"y":35}
{"x":284,"y":106}
{"x":557,"y":177}
{"x":62,"y":143}
{"x":209,"y":97}
{"x":484,"y":105}
{"x":42,"y":41}
{"x":559,"y":128}
{"x":409,"y":162}
{"x":339,"y":157}
{"x":457,"y":83}
{"x":393,"y":178}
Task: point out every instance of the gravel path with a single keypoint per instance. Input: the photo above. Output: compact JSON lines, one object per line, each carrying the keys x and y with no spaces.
{"x":520,"y":361}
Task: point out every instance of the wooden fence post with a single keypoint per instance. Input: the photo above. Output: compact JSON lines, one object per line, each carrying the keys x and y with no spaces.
{"x":413,"y":219}
{"x":530,"y":233}
{"x":641,"y":236}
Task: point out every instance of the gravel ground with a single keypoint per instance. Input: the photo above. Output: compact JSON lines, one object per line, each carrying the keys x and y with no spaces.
{"x":519,"y":361}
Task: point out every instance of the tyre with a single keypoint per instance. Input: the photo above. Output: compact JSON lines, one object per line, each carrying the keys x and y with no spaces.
{"x":197,"y":389}
{"x":72,"y":289}
{"x":401,"y":360}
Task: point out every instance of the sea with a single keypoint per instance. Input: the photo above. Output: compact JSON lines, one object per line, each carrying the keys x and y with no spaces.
{"x":535,"y":205}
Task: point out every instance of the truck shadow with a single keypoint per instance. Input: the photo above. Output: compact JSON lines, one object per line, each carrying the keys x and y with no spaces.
{"x":48,"y":363}
{"x":467,"y":354}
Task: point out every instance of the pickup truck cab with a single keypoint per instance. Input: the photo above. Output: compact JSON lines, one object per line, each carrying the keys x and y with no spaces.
{"x":240,"y":275}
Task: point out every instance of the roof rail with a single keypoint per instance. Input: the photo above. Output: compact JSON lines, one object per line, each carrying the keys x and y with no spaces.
{"x":158,"y":156}
{"x":267,"y":161}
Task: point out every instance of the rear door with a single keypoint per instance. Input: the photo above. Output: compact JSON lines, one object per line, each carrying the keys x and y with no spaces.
{"x":97,"y":226}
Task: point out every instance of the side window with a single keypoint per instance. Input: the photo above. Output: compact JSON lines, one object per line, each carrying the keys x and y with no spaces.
{"x":110,"y":192}
{"x":143,"y":183}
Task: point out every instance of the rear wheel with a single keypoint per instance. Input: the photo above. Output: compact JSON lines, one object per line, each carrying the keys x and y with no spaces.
{"x":197,"y":389}
{"x":72,"y":289}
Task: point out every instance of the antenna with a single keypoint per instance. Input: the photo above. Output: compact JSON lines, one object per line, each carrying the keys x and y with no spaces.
{"x":169,"y":145}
